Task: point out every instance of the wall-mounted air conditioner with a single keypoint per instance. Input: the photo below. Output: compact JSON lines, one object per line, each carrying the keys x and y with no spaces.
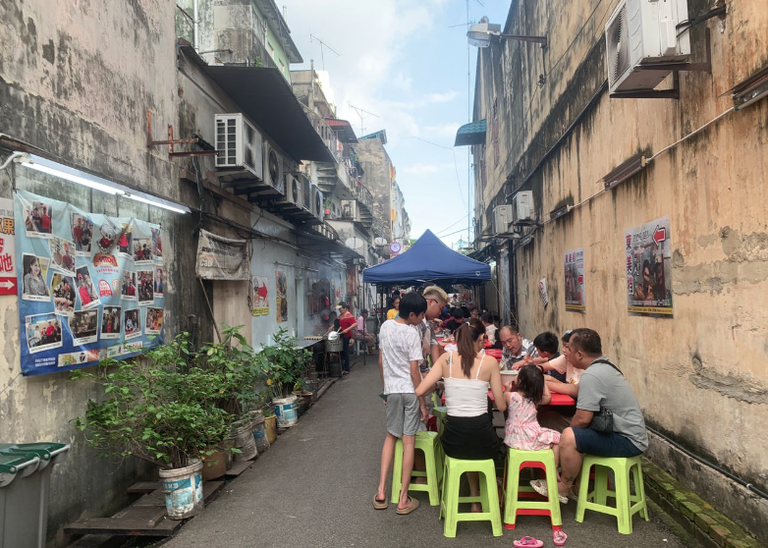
{"x":294,"y":195}
{"x":238,"y":144}
{"x":502,"y":219}
{"x":523,"y":210}
{"x":306,"y":188}
{"x":641,"y":34}
{"x":273,"y":168}
{"x":317,"y":208}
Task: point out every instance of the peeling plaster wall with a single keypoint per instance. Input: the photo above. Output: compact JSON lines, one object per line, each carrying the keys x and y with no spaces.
{"x":701,"y":377}
{"x":377,"y":166}
{"x":76,"y":79}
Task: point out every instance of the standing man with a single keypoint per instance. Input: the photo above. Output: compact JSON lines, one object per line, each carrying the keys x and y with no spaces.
{"x":347,"y":323}
{"x":516,"y":347}
{"x":601,"y":385}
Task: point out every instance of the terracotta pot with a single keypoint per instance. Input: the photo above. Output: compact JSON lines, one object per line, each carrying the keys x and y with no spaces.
{"x":271,"y":425}
{"x":215,"y":465}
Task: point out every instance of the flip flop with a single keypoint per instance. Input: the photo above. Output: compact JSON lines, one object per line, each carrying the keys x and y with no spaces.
{"x":528,"y":542}
{"x":540,"y":486}
{"x":380,"y":504}
{"x":411,"y":508}
{"x":559,"y":538}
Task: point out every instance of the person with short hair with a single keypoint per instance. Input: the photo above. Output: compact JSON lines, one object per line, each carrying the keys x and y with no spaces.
{"x":546,"y":345}
{"x":457,"y":318}
{"x":399,"y":356}
{"x":602,"y":384}
{"x":490,"y":327}
{"x":515,"y":347}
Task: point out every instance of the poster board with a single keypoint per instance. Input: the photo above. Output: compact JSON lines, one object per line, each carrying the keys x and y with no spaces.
{"x":89,"y":286}
{"x":575,"y":298}
{"x":220,"y":258}
{"x":649,"y":268}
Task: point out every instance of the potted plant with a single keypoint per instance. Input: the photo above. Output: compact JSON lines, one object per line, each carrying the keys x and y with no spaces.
{"x":282,"y":365}
{"x":160,"y":410}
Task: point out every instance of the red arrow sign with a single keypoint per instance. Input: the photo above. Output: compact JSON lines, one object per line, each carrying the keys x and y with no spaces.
{"x":580,"y":279}
{"x":659,"y":235}
{"x":7,"y":285}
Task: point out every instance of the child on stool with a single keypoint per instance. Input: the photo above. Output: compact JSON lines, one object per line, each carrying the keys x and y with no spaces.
{"x":522,"y":428}
{"x":399,"y":357}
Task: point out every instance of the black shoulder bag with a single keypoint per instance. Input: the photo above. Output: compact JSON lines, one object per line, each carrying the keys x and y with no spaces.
{"x":602,"y":421}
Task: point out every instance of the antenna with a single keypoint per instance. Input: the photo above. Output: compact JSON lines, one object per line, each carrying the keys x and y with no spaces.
{"x":322,"y":45}
{"x":361,"y":113}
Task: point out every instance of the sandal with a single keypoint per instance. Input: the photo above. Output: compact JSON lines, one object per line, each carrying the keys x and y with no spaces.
{"x":540,"y":486}
{"x":528,"y":542}
{"x":411,"y":508}
{"x":559,"y":537}
{"x":380,"y":504}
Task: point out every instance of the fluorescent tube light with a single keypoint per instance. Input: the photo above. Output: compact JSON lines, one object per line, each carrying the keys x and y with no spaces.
{"x":44,"y":165}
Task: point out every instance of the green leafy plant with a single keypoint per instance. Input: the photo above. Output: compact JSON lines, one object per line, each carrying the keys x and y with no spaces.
{"x":156,"y":410}
{"x":281,"y":364}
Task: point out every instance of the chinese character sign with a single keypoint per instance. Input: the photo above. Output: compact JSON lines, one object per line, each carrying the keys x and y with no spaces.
{"x":7,"y":248}
{"x":575,"y":300}
{"x":649,"y":268}
{"x":89,"y":286}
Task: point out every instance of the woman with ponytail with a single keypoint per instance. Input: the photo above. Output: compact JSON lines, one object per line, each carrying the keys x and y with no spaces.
{"x":468,"y":374}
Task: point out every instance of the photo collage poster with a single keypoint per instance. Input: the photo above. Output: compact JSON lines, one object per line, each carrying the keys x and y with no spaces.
{"x":281,"y":302}
{"x":649,"y":269}
{"x":575,"y":300}
{"x":90,"y":286}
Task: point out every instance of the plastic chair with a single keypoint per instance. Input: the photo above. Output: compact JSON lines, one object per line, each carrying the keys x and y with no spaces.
{"x":489,"y":495}
{"x":531,"y":505}
{"x":441,"y":414}
{"x":429,"y":443}
{"x":627,"y":504}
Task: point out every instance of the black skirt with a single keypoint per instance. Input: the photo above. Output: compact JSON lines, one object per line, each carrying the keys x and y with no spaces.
{"x":471,"y":438}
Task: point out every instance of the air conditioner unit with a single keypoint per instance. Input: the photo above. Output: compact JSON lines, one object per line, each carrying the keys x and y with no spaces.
{"x":502,"y":219}
{"x":523,"y":210}
{"x":643,"y":33}
{"x":273,"y":168}
{"x":294,"y":195}
{"x":350,"y":210}
{"x":238,"y":144}
{"x":306,"y":188}
{"x":317,"y":208}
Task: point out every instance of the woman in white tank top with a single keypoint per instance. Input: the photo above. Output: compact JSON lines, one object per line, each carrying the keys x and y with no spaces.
{"x":468,"y":374}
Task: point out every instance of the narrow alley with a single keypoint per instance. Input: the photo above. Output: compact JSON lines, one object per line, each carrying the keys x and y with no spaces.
{"x":314,"y":488}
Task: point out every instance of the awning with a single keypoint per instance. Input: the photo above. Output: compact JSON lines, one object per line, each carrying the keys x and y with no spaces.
{"x":267,"y":99}
{"x":471,"y":134}
{"x":343,"y":130}
{"x":324,"y":246}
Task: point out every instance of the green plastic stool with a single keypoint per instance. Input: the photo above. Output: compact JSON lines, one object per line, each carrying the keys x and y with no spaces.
{"x":627,"y":504}
{"x":440,"y":413}
{"x":489,"y":495}
{"x":429,"y":443}
{"x":530,"y":505}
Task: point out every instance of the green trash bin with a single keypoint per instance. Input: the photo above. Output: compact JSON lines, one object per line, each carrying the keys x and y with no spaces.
{"x":25,"y":472}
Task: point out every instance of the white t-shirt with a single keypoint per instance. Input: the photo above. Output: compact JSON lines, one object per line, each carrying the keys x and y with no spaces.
{"x":400,"y":345}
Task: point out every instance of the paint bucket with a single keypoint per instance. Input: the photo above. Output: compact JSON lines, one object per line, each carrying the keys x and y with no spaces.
{"x":183,"y":490}
{"x":286,"y":411}
{"x":259,"y":431}
{"x":243,"y":433}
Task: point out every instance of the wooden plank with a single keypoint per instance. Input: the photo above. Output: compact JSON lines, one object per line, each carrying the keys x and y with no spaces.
{"x":144,"y":487}
{"x":211,"y":489}
{"x":157,"y":517}
{"x":238,"y":468}
{"x":132,"y":527}
{"x":155,"y":498}
{"x":91,"y":541}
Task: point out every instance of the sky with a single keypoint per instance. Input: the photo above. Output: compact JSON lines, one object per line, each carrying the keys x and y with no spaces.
{"x":406,"y":63}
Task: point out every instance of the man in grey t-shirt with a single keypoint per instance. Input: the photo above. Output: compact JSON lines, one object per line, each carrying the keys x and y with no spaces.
{"x":600,"y":384}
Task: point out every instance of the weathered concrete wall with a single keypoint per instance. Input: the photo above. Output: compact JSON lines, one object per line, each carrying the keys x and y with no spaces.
{"x":377,"y":166}
{"x":701,"y":377}
{"x":75,"y":81}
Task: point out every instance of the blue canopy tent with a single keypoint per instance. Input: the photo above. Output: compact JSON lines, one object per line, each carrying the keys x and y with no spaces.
{"x":428,"y":260}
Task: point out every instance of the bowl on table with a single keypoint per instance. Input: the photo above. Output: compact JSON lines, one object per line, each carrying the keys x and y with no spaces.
{"x":507,"y":376}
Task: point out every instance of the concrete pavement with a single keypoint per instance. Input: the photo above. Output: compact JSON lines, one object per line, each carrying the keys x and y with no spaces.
{"x":314,"y":487}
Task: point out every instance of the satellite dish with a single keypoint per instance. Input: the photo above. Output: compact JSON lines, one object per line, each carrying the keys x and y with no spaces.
{"x":355,"y":243}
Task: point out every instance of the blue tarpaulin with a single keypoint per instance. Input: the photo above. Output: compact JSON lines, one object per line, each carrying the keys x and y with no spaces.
{"x":428,"y":260}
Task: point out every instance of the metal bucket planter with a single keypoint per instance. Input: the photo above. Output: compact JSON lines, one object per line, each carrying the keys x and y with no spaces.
{"x":259,"y":431}
{"x":183,"y":489}
{"x":243,"y":432}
